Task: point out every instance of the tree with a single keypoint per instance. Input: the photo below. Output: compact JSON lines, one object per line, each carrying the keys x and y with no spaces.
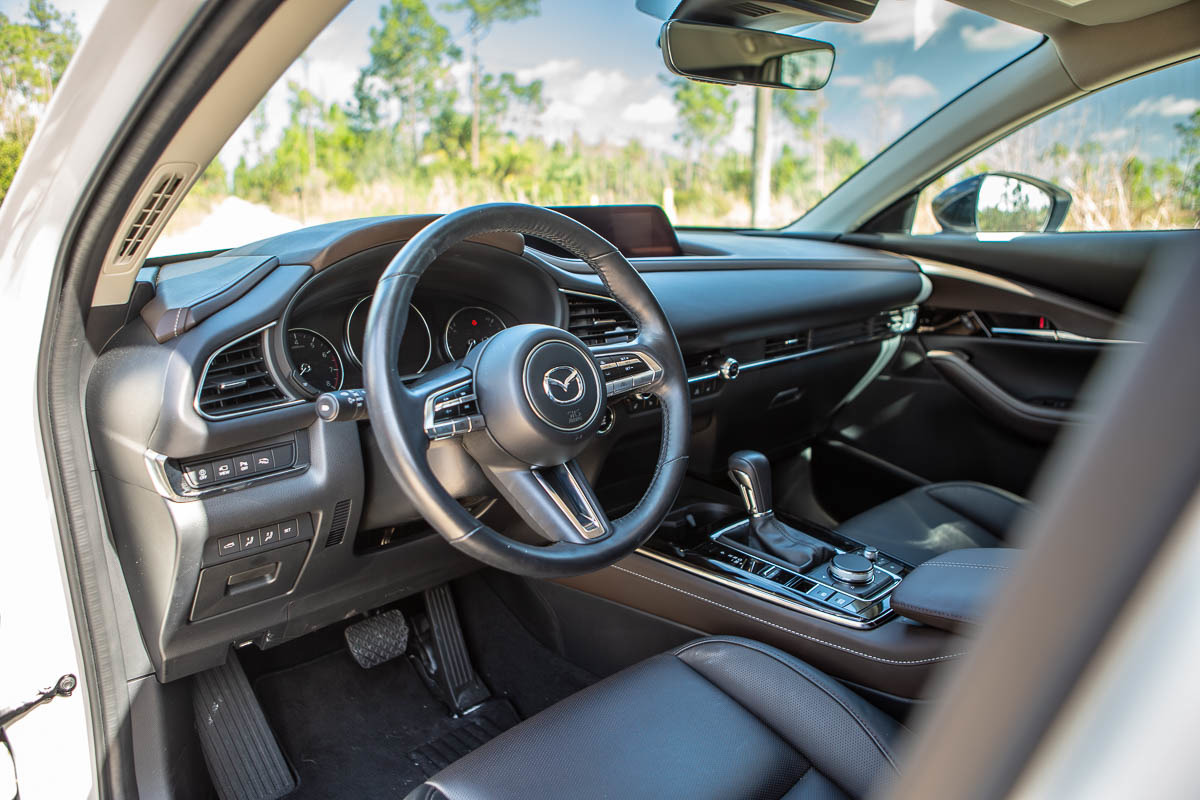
{"x":1189,"y":157}
{"x":411,"y":54}
{"x":481,"y":16}
{"x":706,"y":112}
{"x":33,"y":57}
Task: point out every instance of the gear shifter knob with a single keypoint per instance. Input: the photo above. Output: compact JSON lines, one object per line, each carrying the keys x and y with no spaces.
{"x":751,"y":472}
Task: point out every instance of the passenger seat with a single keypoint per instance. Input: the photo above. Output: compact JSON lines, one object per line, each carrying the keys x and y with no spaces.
{"x":939,"y":517}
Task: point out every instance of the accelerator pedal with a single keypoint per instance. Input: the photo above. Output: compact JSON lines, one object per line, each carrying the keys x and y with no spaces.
{"x":243,"y":757}
{"x":377,"y":639}
{"x":443,"y":652}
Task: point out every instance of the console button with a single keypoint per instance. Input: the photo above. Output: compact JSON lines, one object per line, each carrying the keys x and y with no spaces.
{"x":269,"y":534}
{"x":264,"y":461}
{"x":821,"y":592}
{"x":228,"y":545}
{"x":249,"y":540}
{"x":223,"y":469}
{"x":243,"y":464}
{"x":199,"y":474}
{"x":842,"y":601}
{"x":288,"y":529}
{"x":284,"y":455}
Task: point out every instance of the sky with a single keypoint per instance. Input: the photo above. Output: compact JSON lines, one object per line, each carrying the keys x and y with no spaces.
{"x":604,"y":76}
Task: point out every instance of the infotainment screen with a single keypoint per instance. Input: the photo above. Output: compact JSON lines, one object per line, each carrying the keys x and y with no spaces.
{"x":637,"y":231}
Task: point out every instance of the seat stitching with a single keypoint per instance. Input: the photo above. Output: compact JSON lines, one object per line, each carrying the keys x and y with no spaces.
{"x":862,"y":723}
{"x":959,"y":565}
{"x":880,"y":659}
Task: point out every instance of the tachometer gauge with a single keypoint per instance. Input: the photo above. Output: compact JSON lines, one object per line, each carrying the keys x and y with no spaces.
{"x":317,"y":363}
{"x":468,"y":327}
{"x":416,"y":344}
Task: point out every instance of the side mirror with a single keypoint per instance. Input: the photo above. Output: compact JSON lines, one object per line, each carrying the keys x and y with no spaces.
{"x":725,"y":54}
{"x":1001,"y":202}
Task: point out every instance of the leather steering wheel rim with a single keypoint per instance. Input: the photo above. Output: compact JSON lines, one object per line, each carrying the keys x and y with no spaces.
{"x":400,"y":426}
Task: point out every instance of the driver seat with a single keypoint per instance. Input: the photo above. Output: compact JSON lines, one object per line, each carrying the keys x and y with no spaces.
{"x":721,"y":717}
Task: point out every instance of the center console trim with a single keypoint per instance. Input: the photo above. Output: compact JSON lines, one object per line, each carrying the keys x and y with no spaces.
{"x":887,"y":614}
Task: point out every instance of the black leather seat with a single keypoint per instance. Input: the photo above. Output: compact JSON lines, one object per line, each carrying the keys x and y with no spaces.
{"x":720,"y":717}
{"x":934,"y":519}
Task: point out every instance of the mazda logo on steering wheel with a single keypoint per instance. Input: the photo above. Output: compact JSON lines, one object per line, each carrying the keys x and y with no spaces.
{"x":563,"y":384}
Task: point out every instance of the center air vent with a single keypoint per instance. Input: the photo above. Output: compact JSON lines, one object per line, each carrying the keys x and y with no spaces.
{"x":598,"y":320}
{"x":236,"y":380}
{"x":827,"y":336}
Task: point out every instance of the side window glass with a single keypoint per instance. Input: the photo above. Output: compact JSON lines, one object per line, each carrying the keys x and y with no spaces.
{"x":1126,"y":158}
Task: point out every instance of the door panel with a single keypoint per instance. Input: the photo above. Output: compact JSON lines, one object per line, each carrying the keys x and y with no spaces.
{"x":1010,"y":360}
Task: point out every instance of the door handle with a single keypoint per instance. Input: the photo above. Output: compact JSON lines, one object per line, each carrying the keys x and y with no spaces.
{"x":1038,"y":422}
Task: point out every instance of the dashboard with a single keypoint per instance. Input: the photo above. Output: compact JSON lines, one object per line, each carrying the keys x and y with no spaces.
{"x":239,"y":516}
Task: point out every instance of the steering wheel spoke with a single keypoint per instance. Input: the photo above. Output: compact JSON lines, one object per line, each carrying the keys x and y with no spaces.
{"x":557,"y":502}
{"x":628,"y":367}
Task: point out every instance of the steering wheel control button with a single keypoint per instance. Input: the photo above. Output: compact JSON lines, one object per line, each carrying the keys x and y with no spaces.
{"x":453,"y":412}
{"x":624,"y":372}
{"x":852,"y":568}
{"x":562,"y":385}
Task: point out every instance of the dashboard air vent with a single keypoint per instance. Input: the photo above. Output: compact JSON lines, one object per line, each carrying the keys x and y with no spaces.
{"x":786,"y":345}
{"x":839,"y":334}
{"x":598,"y":320}
{"x":337,"y":526}
{"x":236,"y":380}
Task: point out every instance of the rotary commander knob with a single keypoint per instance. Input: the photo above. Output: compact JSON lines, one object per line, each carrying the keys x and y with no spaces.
{"x":852,"y":568}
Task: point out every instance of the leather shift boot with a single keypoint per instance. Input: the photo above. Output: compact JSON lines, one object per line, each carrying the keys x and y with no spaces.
{"x":797,"y":548}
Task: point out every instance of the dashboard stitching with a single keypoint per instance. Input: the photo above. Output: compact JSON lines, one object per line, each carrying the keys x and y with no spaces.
{"x":898,"y":662}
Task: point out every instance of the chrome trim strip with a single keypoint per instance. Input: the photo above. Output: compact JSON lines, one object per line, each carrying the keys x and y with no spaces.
{"x":766,"y":362}
{"x":591,"y":526}
{"x":1058,"y":336}
{"x":283,"y":387}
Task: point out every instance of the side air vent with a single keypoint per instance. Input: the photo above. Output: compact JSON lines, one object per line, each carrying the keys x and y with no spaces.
{"x":337,"y":528}
{"x":236,"y":380}
{"x":165,"y":187}
{"x":598,"y":320}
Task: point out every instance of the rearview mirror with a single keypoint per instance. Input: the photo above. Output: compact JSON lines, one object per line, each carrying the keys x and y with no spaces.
{"x":1001,"y":202}
{"x":725,"y":54}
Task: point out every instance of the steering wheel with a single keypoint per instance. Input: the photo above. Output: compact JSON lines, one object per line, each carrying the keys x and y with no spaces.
{"x":525,"y":403}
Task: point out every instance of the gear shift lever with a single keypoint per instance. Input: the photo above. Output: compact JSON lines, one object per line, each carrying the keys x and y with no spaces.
{"x":751,"y":473}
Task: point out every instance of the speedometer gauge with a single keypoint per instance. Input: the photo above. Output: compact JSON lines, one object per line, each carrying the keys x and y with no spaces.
{"x":317,"y":363}
{"x":416,"y":343}
{"x":468,"y":327}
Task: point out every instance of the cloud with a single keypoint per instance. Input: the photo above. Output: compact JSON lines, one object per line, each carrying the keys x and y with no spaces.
{"x":548,"y":69}
{"x":901,"y":87}
{"x":1108,"y":137}
{"x":1165,"y":106}
{"x":997,"y":36}
{"x":916,"y":20}
{"x":657,"y":110}
{"x":849,"y":81}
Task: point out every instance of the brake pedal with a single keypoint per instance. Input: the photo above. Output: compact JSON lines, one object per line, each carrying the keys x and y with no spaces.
{"x":377,"y":639}
{"x":243,"y":756}
{"x":444,"y":655}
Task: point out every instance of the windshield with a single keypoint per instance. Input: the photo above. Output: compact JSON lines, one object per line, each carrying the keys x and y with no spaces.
{"x":407,"y":106}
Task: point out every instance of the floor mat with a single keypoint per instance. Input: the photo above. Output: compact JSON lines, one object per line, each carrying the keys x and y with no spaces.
{"x":367,"y":733}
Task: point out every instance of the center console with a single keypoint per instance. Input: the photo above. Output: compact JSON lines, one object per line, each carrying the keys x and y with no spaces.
{"x":794,"y":563}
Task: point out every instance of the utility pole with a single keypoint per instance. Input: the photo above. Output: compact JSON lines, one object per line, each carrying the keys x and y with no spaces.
{"x":760,"y":187}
